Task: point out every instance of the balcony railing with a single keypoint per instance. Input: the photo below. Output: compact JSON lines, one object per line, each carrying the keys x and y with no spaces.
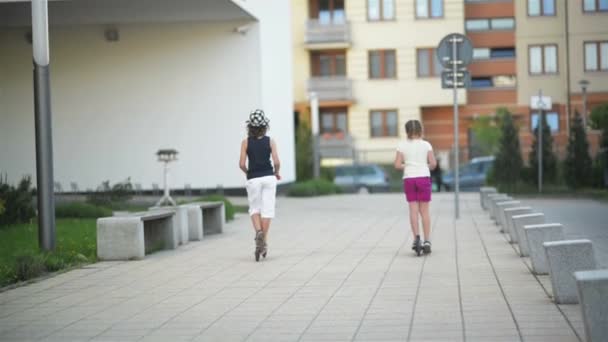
{"x":332,"y":32}
{"x":333,"y":88}
{"x":337,"y":145}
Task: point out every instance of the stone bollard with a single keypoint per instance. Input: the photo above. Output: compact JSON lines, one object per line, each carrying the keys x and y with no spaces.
{"x":500,"y":213}
{"x":519,"y":222}
{"x":509,"y":213}
{"x":592,"y":295}
{"x":483,"y":196}
{"x":564,"y":258}
{"x":538,"y":234}
{"x":495,"y":198}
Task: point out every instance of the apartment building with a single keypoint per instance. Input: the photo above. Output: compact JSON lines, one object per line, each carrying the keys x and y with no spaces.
{"x":130,"y":77}
{"x":373,"y":64}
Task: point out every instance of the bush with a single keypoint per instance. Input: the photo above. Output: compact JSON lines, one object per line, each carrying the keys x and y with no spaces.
{"x":228,"y":206}
{"x":28,"y":267}
{"x":16,"y":202}
{"x":328,"y":173}
{"x":304,"y":158}
{"x":508,"y":165}
{"x":81,"y":210}
{"x":317,"y":187}
{"x":577,"y":165}
{"x":108,"y":195}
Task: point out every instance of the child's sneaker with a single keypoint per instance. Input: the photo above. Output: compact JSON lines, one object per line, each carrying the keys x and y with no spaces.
{"x":427,"y":247}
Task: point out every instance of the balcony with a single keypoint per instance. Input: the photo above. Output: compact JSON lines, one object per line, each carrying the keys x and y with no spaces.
{"x":327,"y":34}
{"x":492,"y":96}
{"x":333,"y":88}
{"x":493,"y":67}
{"x":337,"y":145}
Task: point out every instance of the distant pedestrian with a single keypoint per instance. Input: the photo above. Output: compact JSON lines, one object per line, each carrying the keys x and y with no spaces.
{"x":437,"y":175}
{"x":415,"y":157}
{"x":257,"y":150}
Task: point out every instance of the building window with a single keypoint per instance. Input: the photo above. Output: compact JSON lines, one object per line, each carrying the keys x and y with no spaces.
{"x":551,"y":118}
{"x":493,"y":53}
{"x":378,"y":10}
{"x":596,"y":56}
{"x":427,"y":63}
{"x":490,"y":24}
{"x":595,"y":5}
{"x":542,"y":59}
{"x":328,"y":11}
{"x":500,"y":81}
{"x":382,"y":64}
{"x":429,"y":9}
{"x":538,"y":8}
{"x":333,"y":120}
{"x":384,"y":123}
{"x":328,"y":63}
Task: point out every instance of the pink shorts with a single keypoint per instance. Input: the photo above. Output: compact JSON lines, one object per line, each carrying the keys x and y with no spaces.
{"x":417,"y":189}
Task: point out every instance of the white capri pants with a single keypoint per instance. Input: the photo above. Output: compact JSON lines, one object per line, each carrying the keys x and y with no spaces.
{"x":261,"y":193}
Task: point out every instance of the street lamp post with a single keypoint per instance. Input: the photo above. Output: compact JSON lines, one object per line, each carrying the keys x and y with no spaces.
{"x":314,"y":123}
{"x":42,"y":118}
{"x":584,"y":85}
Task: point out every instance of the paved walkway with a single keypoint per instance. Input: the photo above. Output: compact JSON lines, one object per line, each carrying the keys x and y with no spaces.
{"x":339,"y":269}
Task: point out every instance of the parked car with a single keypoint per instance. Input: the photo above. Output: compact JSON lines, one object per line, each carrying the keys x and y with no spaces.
{"x":472,"y":175}
{"x":361,"y":178}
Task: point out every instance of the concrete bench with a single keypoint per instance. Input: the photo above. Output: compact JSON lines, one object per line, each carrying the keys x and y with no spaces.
{"x":521,"y":221}
{"x":492,"y":200}
{"x":483,"y":196}
{"x":538,"y":234}
{"x":593,"y":296}
{"x":500,"y":212}
{"x":214,"y":216}
{"x":564,"y":258}
{"x":509,"y":227}
{"x":133,"y":235}
{"x":180,"y":221}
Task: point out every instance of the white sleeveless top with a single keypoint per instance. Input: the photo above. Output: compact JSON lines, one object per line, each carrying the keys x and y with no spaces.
{"x":415,"y":155}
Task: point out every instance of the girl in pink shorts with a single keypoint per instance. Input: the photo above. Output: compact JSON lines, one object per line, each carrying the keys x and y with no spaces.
{"x":415,"y":157}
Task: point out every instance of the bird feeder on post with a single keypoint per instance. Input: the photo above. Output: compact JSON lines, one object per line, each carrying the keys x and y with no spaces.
{"x":166,"y":156}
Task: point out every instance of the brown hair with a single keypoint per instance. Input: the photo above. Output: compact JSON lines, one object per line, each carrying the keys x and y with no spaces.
{"x":413,"y":129}
{"x":256,"y":132}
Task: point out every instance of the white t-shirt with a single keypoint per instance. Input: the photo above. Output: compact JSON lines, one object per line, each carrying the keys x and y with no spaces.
{"x":415,"y":154}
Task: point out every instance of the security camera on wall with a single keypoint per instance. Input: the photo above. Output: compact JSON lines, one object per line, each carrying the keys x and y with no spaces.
{"x":243,"y":29}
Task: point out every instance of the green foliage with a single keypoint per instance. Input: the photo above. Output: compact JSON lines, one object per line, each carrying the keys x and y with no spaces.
{"x":328,"y":173}
{"x":316,"y":187}
{"x":549,"y":160}
{"x":21,"y":258}
{"x":304,"y":157}
{"x":599,"y":120}
{"x":509,"y":163}
{"x":228,"y":206}
{"x":81,"y":210}
{"x":108,"y":195}
{"x":597,"y":172}
{"x":16,"y":202}
{"x":577,"y":165}
{"x":487,"y":132}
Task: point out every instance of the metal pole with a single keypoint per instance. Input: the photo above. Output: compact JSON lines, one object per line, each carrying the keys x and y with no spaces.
{"x":585,"y":107}
{"x":456,"y":130}
{"x":43,"y":123}
{"x":540,"y":127}
{"x":314,"y":123}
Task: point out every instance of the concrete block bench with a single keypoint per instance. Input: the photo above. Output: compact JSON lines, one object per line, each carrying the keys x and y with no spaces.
{"x":509,"y":226}
{"x":500,"y":213}
{"x":564,"y":258}
{"x":538,"y":234}
{"x":180,"y":221}
{"x":521,"y":221}
{"x":483,"y":196}
{"x":132,"y":236}
{"x":214,"y":216}
{"x":593,"y":296}
{"x":495,"y":198}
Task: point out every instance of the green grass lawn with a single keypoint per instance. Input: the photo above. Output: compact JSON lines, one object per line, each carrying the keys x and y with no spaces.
{"x":21,"y":259}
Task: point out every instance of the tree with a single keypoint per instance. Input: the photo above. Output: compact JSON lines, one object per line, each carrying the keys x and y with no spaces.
{"x":304,"y":162}
{"x":549,"y":161}
{"x":508,"y":163}
{"x":486,"y":131}
{"x":577,"y":166}
{"x":599,"y":120}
